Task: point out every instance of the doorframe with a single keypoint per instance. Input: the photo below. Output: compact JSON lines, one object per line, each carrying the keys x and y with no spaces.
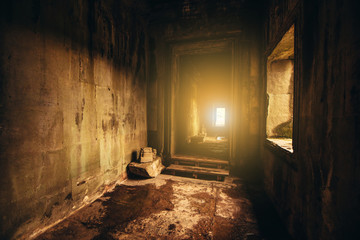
{"x":230,"y":44}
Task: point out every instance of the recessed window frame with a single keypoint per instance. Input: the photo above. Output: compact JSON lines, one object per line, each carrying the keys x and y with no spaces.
{"x":290,"y":155}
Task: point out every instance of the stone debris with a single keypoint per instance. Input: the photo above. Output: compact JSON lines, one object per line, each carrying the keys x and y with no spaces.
{"x":147,"y":154}
{"x":147,"y":169}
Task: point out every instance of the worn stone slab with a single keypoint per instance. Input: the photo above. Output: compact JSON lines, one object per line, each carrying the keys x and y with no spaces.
{"x":148,"y":169}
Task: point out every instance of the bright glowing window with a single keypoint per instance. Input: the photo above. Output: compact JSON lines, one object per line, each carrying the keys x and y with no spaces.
{"x":220,"y":117}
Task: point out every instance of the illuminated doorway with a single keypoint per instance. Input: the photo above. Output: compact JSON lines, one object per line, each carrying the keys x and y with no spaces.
{"x":202,"y":105}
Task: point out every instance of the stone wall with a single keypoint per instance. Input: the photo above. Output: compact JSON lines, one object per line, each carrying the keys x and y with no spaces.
{"x":187,"y":114}
{"x":73,"y":105}
{"x":316,"y":189}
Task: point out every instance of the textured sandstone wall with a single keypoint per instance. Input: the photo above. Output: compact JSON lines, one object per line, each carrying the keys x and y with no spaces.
{"x":317,"y":189}
{"x":73,"y":104}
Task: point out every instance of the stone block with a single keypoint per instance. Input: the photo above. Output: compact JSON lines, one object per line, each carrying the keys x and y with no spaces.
{"x":147,"y":154}
{"x":147,"y":169}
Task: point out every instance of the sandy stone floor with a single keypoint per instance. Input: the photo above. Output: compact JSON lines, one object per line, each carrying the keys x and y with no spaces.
{"x":168,"y":207}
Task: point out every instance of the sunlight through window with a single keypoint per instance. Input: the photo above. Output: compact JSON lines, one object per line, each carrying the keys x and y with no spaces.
{"x":220,"y":117}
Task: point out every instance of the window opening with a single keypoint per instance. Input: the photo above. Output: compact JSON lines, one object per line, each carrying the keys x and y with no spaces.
{"x":220,"y":117}
{"x":280,"y":92}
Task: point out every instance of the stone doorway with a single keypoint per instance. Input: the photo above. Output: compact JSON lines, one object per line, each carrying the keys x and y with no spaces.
{"x":202,"y":105}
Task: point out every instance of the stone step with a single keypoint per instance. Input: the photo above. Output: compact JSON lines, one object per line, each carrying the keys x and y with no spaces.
{"x":200,"y":161}
{"x":219,"y":173}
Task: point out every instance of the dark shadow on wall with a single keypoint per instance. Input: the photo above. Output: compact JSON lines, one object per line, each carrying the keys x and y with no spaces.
{"x":270,"y":224}
{"x":134,"y":156}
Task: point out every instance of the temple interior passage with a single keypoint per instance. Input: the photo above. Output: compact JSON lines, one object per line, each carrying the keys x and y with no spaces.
{"x":181,"y":119}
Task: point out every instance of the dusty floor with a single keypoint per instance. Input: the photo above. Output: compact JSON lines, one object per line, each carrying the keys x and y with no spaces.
{"x":171,"y":207}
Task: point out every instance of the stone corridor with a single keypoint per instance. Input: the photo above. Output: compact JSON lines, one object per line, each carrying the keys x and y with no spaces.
{"x":267,"y":91}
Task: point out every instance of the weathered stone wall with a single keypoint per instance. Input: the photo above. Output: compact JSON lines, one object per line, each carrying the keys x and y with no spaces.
{"x":187,"y":115}
{"x":317,"y":189}
{"x":73,"y":104}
